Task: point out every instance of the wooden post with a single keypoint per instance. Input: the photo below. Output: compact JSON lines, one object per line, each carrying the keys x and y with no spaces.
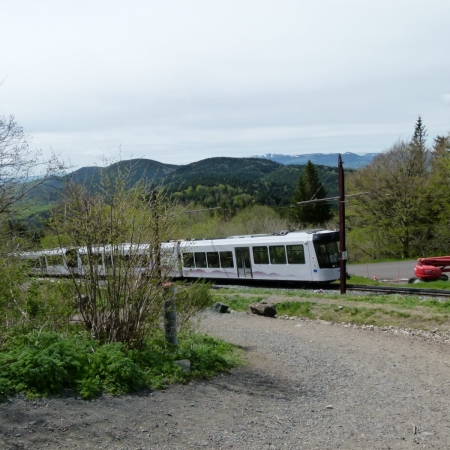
{"x":342,"y":249}
{"x":156,"y":250}
{"x":170,"y":314}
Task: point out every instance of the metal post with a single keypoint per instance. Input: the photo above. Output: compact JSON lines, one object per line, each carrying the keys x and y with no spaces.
{"x":342,"y":249}
{"x":170,"y":314}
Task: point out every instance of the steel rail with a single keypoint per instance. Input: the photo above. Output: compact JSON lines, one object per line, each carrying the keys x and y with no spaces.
{"x":401,"y":290}
{"x":350,"y":287}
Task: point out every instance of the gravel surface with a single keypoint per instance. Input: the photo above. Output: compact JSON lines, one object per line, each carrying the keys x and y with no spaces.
{"x":307,"y":385}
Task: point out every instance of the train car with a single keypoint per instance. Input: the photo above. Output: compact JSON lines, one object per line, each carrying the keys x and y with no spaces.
{"x":295,"y":256}
{"x":298,"y":256}
{"x":54,"y":262}
{"x":74,"y":261}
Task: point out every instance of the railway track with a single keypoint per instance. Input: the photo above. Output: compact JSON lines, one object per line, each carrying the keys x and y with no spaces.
{"x":400,"y":290}
{"x":441,"y":293}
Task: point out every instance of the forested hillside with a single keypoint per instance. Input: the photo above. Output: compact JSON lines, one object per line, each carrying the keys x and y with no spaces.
{"x":239,"y":182}
{"x":228,"y":182}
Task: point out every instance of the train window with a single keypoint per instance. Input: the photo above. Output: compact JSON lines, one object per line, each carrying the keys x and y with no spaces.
{"x":188,"y":260}
{"x":213,"y":259}
{"x":277,"y":254}
{"x":200,"y":259}
{"x":327,"y":255}
{"x":116,"y":260}
{"x":33,"y":263}
{"x":226,"y":260}
{"x":109,"y":260}
{"x":93,"y":258}
{"x":295,"y":254}
{"x":144,"y":260}
{"x":55,"y":260}
{"x":260,"y":255}
{"x":96,"y":258}
{"x":134,"y":260}
{"x":71,"y":258}
{"x":38,"y":263}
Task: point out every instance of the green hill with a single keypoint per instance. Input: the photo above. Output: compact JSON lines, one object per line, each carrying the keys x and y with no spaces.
{"x":226,"y":182}
{"x":136,"y":169}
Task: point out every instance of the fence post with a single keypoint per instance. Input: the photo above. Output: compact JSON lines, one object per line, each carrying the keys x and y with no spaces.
{"x":170,"y":314}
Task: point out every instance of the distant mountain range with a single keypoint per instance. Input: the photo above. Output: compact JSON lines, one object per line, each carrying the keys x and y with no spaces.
{"x":350,"y":160}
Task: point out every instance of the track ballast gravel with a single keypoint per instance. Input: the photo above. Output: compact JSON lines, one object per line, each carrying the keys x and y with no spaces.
{"x":307,"y":385}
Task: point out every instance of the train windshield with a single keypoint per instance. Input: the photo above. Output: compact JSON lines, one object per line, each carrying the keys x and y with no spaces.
{"x":327,"y":250}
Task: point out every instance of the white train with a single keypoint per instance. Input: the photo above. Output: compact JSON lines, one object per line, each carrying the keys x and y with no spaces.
{"x":296,"y":256}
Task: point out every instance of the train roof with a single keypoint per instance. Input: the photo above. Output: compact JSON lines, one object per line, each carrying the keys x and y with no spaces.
{"x":252,"y":239}
{"x":124,"y":248}
{"x":238,"y":240}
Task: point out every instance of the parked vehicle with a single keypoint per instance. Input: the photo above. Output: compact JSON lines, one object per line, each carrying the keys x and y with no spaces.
{"x":431,"y":269}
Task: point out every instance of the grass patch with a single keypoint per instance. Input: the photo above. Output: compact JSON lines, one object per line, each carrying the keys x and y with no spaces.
{"x":363,"y":281}
{"x":241,"y":302}
{"x":379,"y":310}
{"x":355,"y":279}
{"x":438,"y":284}
{"x":299,"y":309}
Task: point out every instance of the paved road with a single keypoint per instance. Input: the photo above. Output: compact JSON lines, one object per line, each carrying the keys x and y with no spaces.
{"x":400,"y":270}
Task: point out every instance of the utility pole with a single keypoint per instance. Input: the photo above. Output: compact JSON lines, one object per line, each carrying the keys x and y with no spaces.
{"x":342,"y":249}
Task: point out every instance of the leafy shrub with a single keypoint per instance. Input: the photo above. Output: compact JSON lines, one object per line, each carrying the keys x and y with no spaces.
{"x":111,"y":370}
{"x":39,"y":363}
{"x":27,"y":304}
{"x":190,"y":300}
{"x":45,"y":363}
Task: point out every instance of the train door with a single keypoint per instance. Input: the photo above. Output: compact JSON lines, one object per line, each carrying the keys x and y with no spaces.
{"x":244,"y":267}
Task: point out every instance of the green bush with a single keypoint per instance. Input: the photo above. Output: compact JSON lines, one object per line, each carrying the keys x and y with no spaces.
{"x":39,"y":364}
{"x":28,"y":304}
{"x":190,"y":299}
{"x":110,"y":369}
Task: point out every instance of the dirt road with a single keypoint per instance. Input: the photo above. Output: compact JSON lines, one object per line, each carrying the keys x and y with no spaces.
{"x":306,"y":386}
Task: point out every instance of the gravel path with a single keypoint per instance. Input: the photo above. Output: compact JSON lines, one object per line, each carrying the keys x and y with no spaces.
{"x":307,"y":385}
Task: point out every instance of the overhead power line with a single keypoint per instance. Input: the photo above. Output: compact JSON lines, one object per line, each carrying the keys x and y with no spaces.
{"x":330,"y":198}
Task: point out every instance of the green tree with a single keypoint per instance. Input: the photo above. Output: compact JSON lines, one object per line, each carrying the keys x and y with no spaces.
{"x":20,"y":165}
{"x":438,"y":189}
{"x":419,"y":138}
{"x":117,"y":302}
{"x":309,"y":187}
{"x":397,"y":211}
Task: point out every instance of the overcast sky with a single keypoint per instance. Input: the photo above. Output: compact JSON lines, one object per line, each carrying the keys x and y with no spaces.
{"x":180,"y":81}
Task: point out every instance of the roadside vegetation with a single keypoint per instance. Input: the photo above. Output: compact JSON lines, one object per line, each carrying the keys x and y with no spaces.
{"x":46,"y":347}
{"x":42,"y":363}
{"x":102,"y":332}
{"x":400,"y":311}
